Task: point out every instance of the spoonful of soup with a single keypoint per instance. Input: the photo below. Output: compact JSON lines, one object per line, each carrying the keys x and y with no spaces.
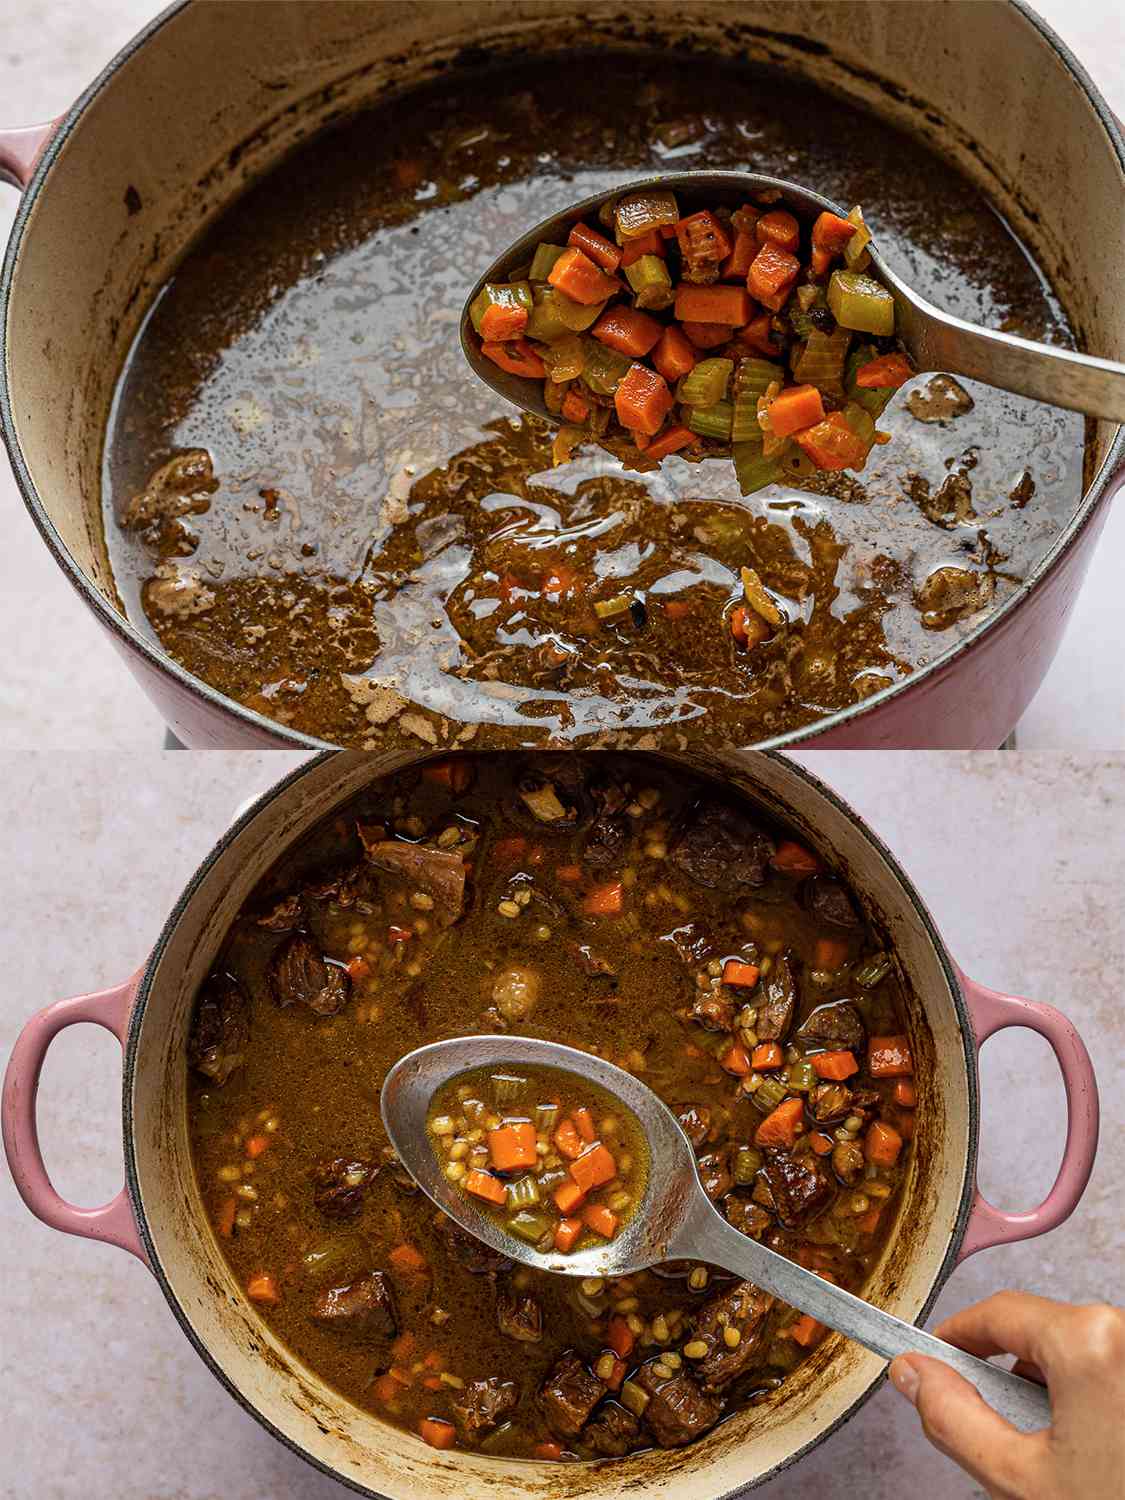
{"x":711,"y":313}
{"x":556,"y":1158}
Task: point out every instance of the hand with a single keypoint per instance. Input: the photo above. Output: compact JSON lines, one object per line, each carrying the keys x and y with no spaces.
{"x":1078,"y":1352}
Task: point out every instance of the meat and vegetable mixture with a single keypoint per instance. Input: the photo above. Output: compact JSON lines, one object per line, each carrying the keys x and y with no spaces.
{"x":611,"y":903}
{"x":316,"y":507}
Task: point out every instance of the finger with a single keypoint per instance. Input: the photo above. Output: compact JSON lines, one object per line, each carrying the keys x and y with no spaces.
{"x":1029,"y":1371}
{"x":1009,"y":1323}
{"x":965,"y":1428}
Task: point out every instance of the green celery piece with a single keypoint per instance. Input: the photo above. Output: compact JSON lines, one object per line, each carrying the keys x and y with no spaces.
{"x":554,"y":316}
{"x":712,"y":421}
{"x":856,"y":257}
{"x":752,"y":379}
{"x":753,"y":472}
{"x":821,"y":361}
{"x":604,"y":369}
{"x":565,"y":358}
{"x":650,"y":279}
{"x":860,"y":303}
{"x":500,"y":294}
{"x":543,"y":260}
{"x":706,"y":383}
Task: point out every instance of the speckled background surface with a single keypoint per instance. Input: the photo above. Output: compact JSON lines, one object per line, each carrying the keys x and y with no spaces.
{"x":1020,"y":857}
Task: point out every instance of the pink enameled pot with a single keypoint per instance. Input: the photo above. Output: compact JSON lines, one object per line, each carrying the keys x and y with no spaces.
{"x":159,"y":1216}
{"x":212,"y":94}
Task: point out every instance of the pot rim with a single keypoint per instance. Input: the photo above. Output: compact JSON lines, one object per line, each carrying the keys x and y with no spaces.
{"x":284,"y":787}
{"x":137,"y":641}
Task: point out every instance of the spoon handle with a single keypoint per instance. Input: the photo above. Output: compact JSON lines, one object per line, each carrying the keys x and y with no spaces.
{"x":1060,"y":377}
{"x":710,"y":1238}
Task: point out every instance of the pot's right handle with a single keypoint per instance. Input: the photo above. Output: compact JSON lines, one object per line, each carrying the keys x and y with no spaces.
{"x":992,"y":1011}
{"x":113,"y":1222}
{"x":20,"y":150}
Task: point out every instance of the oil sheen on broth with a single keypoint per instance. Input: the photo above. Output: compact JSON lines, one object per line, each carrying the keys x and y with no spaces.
{"x":370,"y":543}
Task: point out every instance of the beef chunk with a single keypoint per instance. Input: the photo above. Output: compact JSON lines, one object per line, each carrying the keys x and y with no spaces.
{"x":519,"y":1317}
{"x":747,"y":1217}
{"x":678,"y":1410}
{"x":715,"y":1174}
{"x":344,"y":887}
{"x":220,"y":1030}
{"x":568,"y":1395}
{"x":743,"y":1307}
{"x":714,"y":1010}
{"x":837,"y":1026}
{"x":779,"y":991}
{"x":365,"y":1307}
{"x":614,"y":1433}
{"x":695,"y":1122}
{"x":829,"y":1101}
{"x":283,"y":916}
{"x":299,"y":974}
{"x":848,"y":1162}
{"x":483,"y":1405}
{"x":719,"y":847}
{"x":439,"y":873}
{"x":801,"y":1187}
{"x":828,"y":900}
{"x":607,"y":841}
{"x":477,"y":1258}
{"x":340,"y":1184}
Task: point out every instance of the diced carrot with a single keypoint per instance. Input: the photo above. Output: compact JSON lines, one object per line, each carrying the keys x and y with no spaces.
{"x":772,"y":276}
{"x":831,"y":233}
{"x":386,"y":1389}
{"x":358,"y":967}
{"x":868,"y":1223}
{"x":511,"y":1147}
{"x":887,"y":371}
{"x":508,"y":850}
{"x":707,"y":335}
{"x":673,"y":355}
{"x":403,"y":1346}
{"x":642,"y":400}
{"x":796,"y":407}
{"x":806,"y":1331}
{"x":605,"y":900}
{"x":628,"y":330}
{"x":595,"y":1166}
{"x":575,"y":408}
{"x":568,"y":1196}
{"x":882,"y":1144}
{"x":409,"y":1261}
{"x":263,"y":1288}
{"x":822,"y":1144}
{"x":736,"y":1060}
{"x":758,"y":334}
{"x":819,"y":260}
{"x":548,"y":1450}
{"x":569,"y":874}
{"x":779,"y":228}
{"x":600,"y":250}
{"x":889,"y":1057}
{"x":740,"y":973}
{"x":498,"y":324}
{"x":904,"y":1123}
{"x":834,"y":1065}
{"x":457,"y":775}
{"x":782,"y":1127}
{"x":601,"y":1220}
{"x":256,"y":1146}
{"x":483,"y":1185}
{"x":567,"y":1232}
{"x":766,"y":1055}
{"x":577,"y":277}
{"x":613,"y":1380}
{"x":905,"y":1093}
{"x":794,"y":859}
{"x":437,"y":1432}
{"x":224,"y":1219}
{"x":584,"y":1124}
{"x":748,"y":627}
{"x":830,"y":954}
{"x":677,"y":609}
{"x":737,"y":265}
{"x":702,"y":239}
{"x":433,"y":1382}
{"x":832,"y":444}
{"x":620,"y":1337}
{"x":518,"y":358}
{"x":729,"y":305}
{"x":671,"y":440}
{"x":650,"y":243}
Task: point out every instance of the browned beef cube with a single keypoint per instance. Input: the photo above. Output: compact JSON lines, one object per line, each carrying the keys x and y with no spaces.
{"x":714,"y":1010}
{"x":743,"y":1307}
{"x":747,"y":1217}
{"x":299,"y":974}
{"x":779,"y":989}
{"x":678,"y":1410}
{"x":220,"y":1030}
{"x":365,"y":1307}
{"x":828,"y":900}
{"x":837,"y":1026}
{"x":695,"y":1122}
{"x":801,"y":1187}
{"x":339,"y":1185}
{"x":483,"y":1405}
{"x":568,"y":1395}
{"x":613,"y":1433}
{"x":715,"y":1173}
{"x":519,"y":1317}
{"x":719,"y":847}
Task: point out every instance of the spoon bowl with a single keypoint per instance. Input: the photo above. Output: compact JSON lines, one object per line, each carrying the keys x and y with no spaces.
{"x":675,"y":1220}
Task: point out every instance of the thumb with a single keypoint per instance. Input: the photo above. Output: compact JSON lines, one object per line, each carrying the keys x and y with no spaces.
{"x":961,"y":1424}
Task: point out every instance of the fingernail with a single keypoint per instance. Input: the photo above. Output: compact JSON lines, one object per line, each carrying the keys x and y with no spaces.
{"x":904,"y":1378}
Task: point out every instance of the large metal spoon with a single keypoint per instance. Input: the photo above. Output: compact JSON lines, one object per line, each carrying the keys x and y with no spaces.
{"x":675,"y":1219}
{"x":935,"y":340}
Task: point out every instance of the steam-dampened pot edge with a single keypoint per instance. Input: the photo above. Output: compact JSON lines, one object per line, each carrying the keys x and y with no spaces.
{"x":376,"y":1459}
{"x":289,"y":110}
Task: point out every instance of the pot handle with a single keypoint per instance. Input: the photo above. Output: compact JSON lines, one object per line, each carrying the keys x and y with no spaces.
{"x":19,"y":152}
{"x":113,"y":1222}
{"x":990,"y":1012}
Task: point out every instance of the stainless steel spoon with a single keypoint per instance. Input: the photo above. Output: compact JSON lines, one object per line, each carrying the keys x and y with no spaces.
{"x":674,"y":1221}
{"x":935,"y":340}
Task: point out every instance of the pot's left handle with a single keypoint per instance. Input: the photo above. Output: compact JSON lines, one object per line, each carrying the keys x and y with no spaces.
{"x":992,"y":1011}
{"x":113,"y":1222}
{"x":20,"y":150}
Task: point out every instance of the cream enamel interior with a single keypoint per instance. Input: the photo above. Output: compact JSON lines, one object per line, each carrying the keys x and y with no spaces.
{"x":221,"y":90}
{"x":388,"y":1462}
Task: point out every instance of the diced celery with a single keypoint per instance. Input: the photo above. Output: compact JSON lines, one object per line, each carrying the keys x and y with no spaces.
{"x":747,"y":1161}
{"x":821,"y":361}
{"x":649,"y":277}
{"x":706,"y":383}
{"x":802,"y":1076}
{"x":712,"y":421}
{"x":861,"y":303}
{"x":637,"y":213}
{"x":522,"y":1194}
{"x":605,"y":369}
{"x":528,"y":1226}
{"x":500,"y":294}
{"x":565,"y":358}
{"x":856,"y":257}
{"x":553,"y":316}
{"x":861,"y":422}
{"x":635,"y":1397}
{"x":868,"y":974}
{"x":751,"y":380}
{"x":798,"y":465}
{"x":753,"y":470}
{"x":507,"y":1088}
{"x":544,"y":259}
{"x":605,"y":609}
{"x":546,"y":1117}
{"x":769,"y":1095}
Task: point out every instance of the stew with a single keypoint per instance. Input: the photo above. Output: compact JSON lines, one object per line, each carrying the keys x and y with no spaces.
{"x":612,"y":903}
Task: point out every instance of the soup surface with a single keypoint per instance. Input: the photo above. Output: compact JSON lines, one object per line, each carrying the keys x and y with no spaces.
{"x":616,"y":906}
{"x":359,"y":540}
